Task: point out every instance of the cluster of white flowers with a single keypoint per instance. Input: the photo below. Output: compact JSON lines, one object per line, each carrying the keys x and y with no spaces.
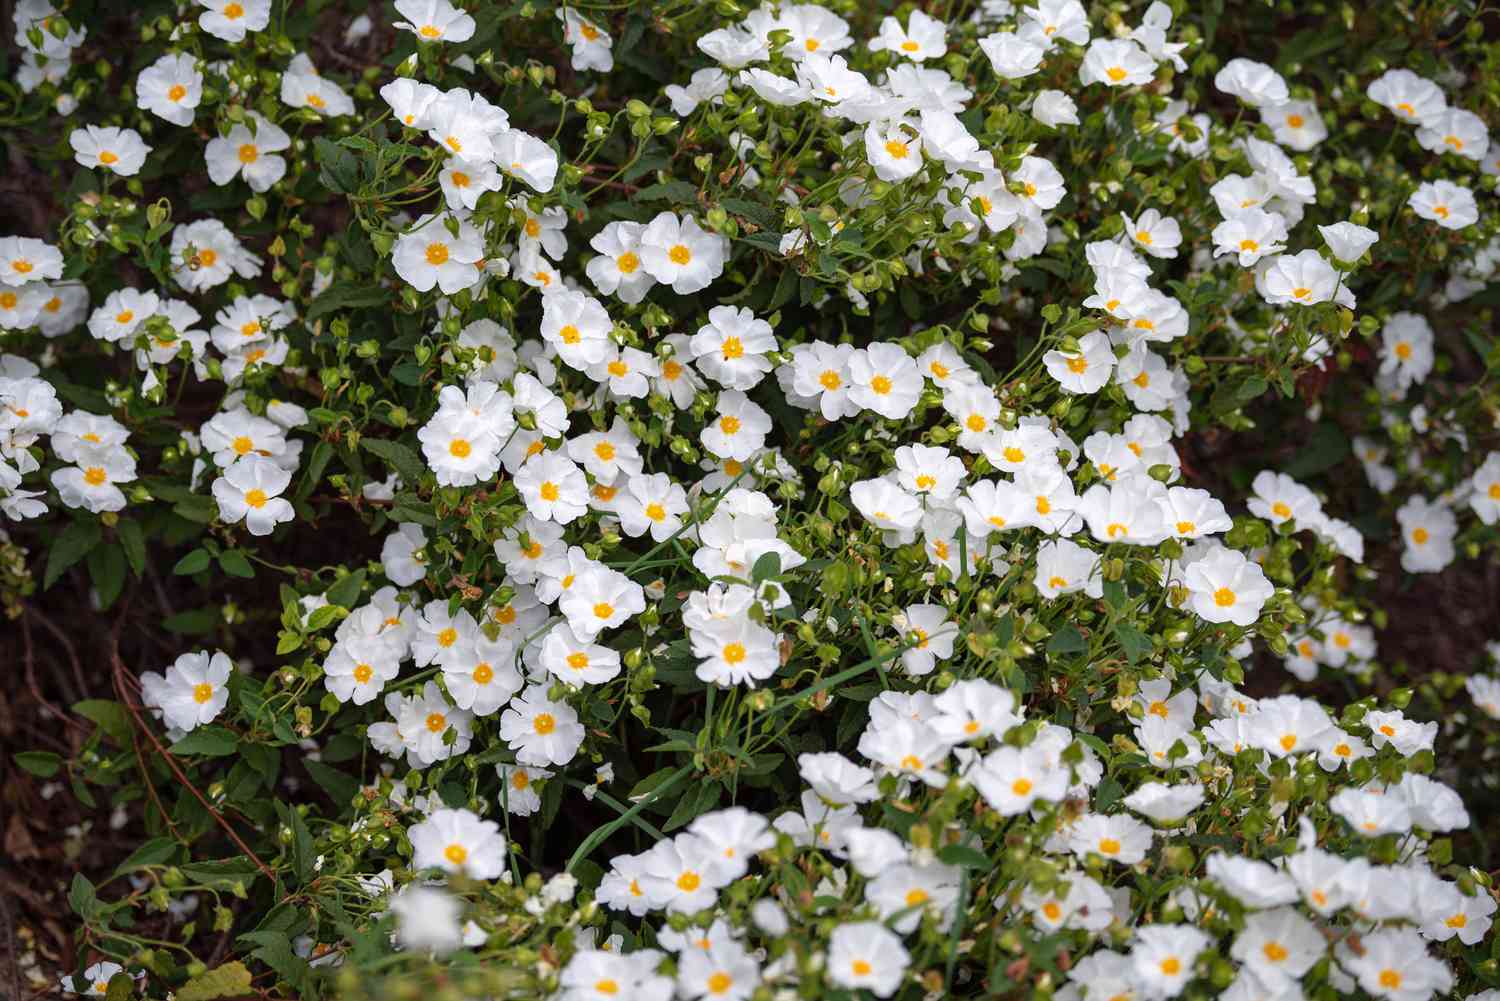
{"x":604,"y":479}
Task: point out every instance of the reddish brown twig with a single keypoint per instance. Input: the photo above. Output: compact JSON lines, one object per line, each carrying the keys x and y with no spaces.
{"x":122,"y":683}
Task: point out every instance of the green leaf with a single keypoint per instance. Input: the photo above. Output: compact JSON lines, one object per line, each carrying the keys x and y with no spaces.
{"x":133,"y":543}
{"x":111,"y":717}
{"x":194,"y":562}
{"x":767,"y":567}
{"x":302,"y":842}
{"x":157,"y":851}
{"x":346,"y":295}
{"x":1319,"y":452}
{"x":121,"y":986}
{"x":81,"y":897}
{"x":341,"y":787}
{"x":235,"y":564}
{"x":1136,"y":643}
{"x":396,"y":455}
{"x":231,"y":980}
{"x":222,"y":874}
{"x":1065,"y":641}
{"x":193,"y":622}
{"x":965,"y":857}
{"x":208,"y":741}
{"x":107,"y":572}
{"x":72,"y":544}
{"x":41,"y":763}
{"x":275,"y":950}
{"x":345,"y":591}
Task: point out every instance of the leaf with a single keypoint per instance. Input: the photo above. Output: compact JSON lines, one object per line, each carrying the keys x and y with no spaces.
{"x":228,"y":981}
{"x":193,"y":622}
{"x":346,"y":295}
{"x":133,"y":543}
{"x":678,"y":192}
{"x":110,"y":717}
{"x":71,"y":545}
{"x":43,"y":764}
{"x":340,"y":167}
{"x":235,"y":564}
{"x":154,"y":852}
{"x":302,"y":842}
{"x":1136,"y":643}
{"x":107,"y":572}
{"x":1235,"y":393}
{"x":1065,"y":641}
{"x":208,"y":741}
{"x":396,"y":455}
{"x":345,"y":591}
{"x":1323,"y":449}
{"x":221,"y":874}
{"x":194,"y":562}
{"x":965,"y":857}
{"x":767,"y":567}
{"x":275,"y":950}
{"x":340,"y":786}
{"x":81,"y":897}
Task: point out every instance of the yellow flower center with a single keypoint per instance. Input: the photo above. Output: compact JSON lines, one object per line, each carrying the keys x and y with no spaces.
{"x":1275,"y":951}
{"x":363,"y":673}
{"x":177,"y":93}
{"x":483,"y":674}
{"x":1295,"y":121}
{"x":437,"y":722}
{"x":549,"y":491}
{"x":1109,"y":846}
{"x":1223,"y":597}
{"x":915,"y":897}
{"x":860,"y":968}
{"x":106,"y":157}
{"x":729,"y":424}
{"x":909,"y":46}
{"x":720,"y":982}
{"x":734,"y":653}
{"x":447,"y":637}
{"x":896,"y":149}
{"x":578,"y":660}
{"x":316,"y":101}
{"x":202,"y":692}
{"x":248,"y":153}
{"x":1280,"y":510}
{"x":605,"y":450}
{"x":256,"y":498}
{"x":544,"y":723}
{"x":1052,"y":911}
{"x":94,"y":476}
{"x":1288,"y":741}
{"x":1171,"y":966}
{"x":437,"y":254}
{"x":1021,"y":787}
{"x":680,"y":255}
{"x":830,"y":380}
{"x":1419,"y":536}
{"x":628,"y":263}
{"x":1390,"y":979}
{"x":430,"y":31}
{"x":1301,"y":292}
{"x":689,"y":881}
{"x":460,"y":448}
{"x":233,"y":11}
{"x":1116,"y":73}
{"x":880,"y":384}
{"x":456,"y":853}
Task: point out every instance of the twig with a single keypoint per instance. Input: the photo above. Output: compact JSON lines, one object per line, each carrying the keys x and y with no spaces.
{"x":122,"y":688}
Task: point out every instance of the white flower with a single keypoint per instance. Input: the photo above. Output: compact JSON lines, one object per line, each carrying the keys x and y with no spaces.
{"x":552,"y":487}
{"x":431,"y":253}
{"x":170,"y":88}
{"x":731,"y":348}
{"x":1254,"y":83}
{"x":427,"y":919}
{"x":232,"y":19}
{"x":540,"y":731}
{"x":1450,"y":205}
{"x":194,"y":690}
{"x":866,"y":955}
{"x":114,"y":149}
{"x":1116,"y":62}
{"x":250,"y":490}
{"x":678,"y":253}
{"x":1225,"y":586}
{"x":458,"y":841}
{"x":434,"y":21}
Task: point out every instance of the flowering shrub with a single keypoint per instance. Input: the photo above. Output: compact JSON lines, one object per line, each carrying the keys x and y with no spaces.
{"x":682,"y":500}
